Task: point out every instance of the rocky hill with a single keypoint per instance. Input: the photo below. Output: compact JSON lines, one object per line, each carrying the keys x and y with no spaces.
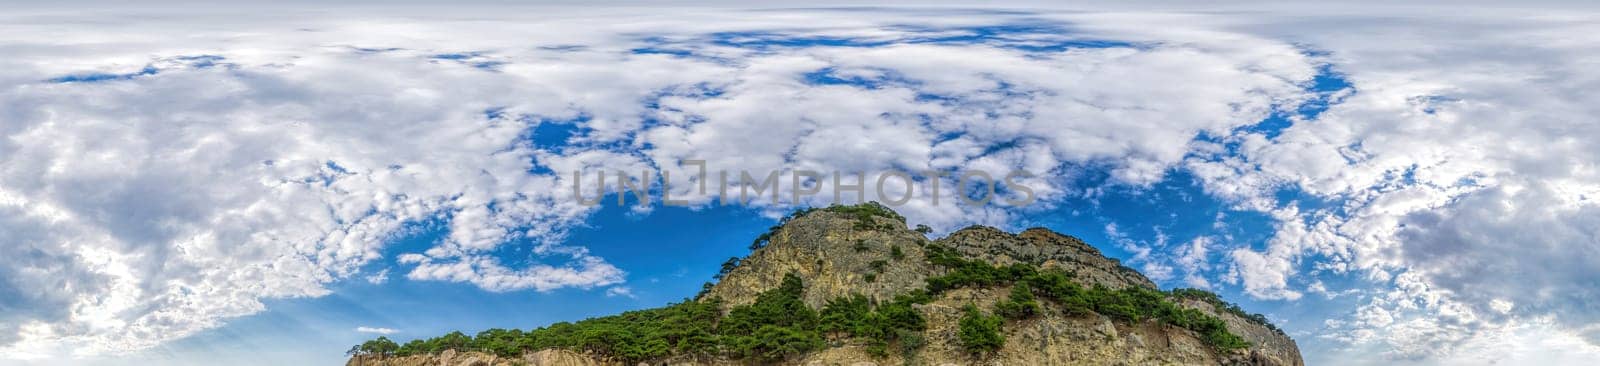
{"x":853,"y":285}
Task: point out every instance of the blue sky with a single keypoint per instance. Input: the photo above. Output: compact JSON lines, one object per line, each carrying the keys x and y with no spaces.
{"x":668,"y":252}
{"x":178,"y":186}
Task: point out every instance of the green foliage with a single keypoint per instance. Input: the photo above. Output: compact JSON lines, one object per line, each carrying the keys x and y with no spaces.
{"x":727,"y":266}
{"x":452,"y":341}
{"x":778,"y":325}
{"x":498,"y":341}
{"x":846,"y":315}
{"x":860,"y":245}
{"x":414,"y":347}
{"x":1130,"y":304}
{"x":870,"y":277}
{"x":705,"y":288}
{"x":924,"y":229}
{"x":863,"y":213}
{"x":682,"y":328}
{"x":888,"y":323}
{"x":380,"y":346}
{"x":1020,"y":305}
{"x":762,"y":240}
{"x":910,"y":342}
{"x":1224,"y":306}
{"x":900,"y":315}
{"x":971,"y":273}
{"x":980,"y":333}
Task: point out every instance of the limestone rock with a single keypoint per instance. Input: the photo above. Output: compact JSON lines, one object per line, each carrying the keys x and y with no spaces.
{"x":837,"y":255}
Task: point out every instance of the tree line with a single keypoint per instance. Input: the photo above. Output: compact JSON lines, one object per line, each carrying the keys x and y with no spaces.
{"x":778,"y":325}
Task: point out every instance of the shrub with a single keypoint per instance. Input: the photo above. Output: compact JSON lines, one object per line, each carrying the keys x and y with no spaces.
{"x":863,"y":213}
{"x":1130,"y":304}
{"x":887,"y":323}
{"x":846,"y":315}
{"x":1224,"y":306}
{"x":910,"y":341}
{"x":980,"y":333}
{"x":1020,"y":305}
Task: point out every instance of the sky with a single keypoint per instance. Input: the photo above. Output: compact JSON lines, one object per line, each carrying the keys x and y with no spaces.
{"x":250,"y":184}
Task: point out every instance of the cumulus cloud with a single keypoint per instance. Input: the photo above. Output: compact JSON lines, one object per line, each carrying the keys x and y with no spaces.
{"x":379,"y":278}
{"x":1462,"y":181}
{"x":173,"y":186}
{"x":166,"y":187}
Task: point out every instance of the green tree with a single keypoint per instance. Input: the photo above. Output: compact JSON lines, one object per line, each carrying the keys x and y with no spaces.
{"x":1020,"y":305}
{"x":381,"y":346}
{"x":414,"y":347}
{"x":727,"y":267}
{"x":776,"y":326}
{"x":846,"y":315}
{"x":980,"y":333}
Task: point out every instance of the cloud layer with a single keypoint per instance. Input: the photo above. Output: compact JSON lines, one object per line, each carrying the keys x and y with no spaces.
{"x":161,"y":177}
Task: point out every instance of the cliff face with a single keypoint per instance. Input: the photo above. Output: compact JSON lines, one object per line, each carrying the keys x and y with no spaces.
{"x":825,"y":249}
{"x":839,"y":254}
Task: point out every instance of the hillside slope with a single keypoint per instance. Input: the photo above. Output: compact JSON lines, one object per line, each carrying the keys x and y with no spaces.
{"x":915,"y":301}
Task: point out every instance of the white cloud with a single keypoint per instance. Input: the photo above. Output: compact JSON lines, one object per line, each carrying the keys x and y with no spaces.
{"x":379,"y":278}
{"x":170,"y":201}
{"x":1462,"y":174}
{"x":622,"y":291}
{"x":376,"y":330}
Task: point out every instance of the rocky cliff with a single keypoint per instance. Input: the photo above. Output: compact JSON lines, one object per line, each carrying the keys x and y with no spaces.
{"x":841,"y":253}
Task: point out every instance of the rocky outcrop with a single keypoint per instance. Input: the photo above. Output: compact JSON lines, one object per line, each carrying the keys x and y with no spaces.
{"x":835,"y":256}
{"x":838,"y":254}
{"x":549,"y":357}
{"x":823,"y":249}
{"x":1047,"y":249}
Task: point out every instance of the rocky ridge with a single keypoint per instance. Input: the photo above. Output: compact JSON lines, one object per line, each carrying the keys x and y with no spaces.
{"x":839,"y":254}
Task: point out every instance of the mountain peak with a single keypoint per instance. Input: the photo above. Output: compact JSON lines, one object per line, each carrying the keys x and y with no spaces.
{"x":841,"y":284}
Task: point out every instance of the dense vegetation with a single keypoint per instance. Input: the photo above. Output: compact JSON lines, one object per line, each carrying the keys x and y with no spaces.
{"x":778,"y":325}
{"x":636,"y":335}
{"x":1020,"y":305}
{"x":980,"y":333}
{"x":893,"y":322}
{"x":1224,"y":306}
{"x":1131,"y":304}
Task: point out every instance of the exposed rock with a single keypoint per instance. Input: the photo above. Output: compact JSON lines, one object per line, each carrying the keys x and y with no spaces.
{"x":821,"y":249}
{"x":837,"y":255}
{"x":549,"y":357}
